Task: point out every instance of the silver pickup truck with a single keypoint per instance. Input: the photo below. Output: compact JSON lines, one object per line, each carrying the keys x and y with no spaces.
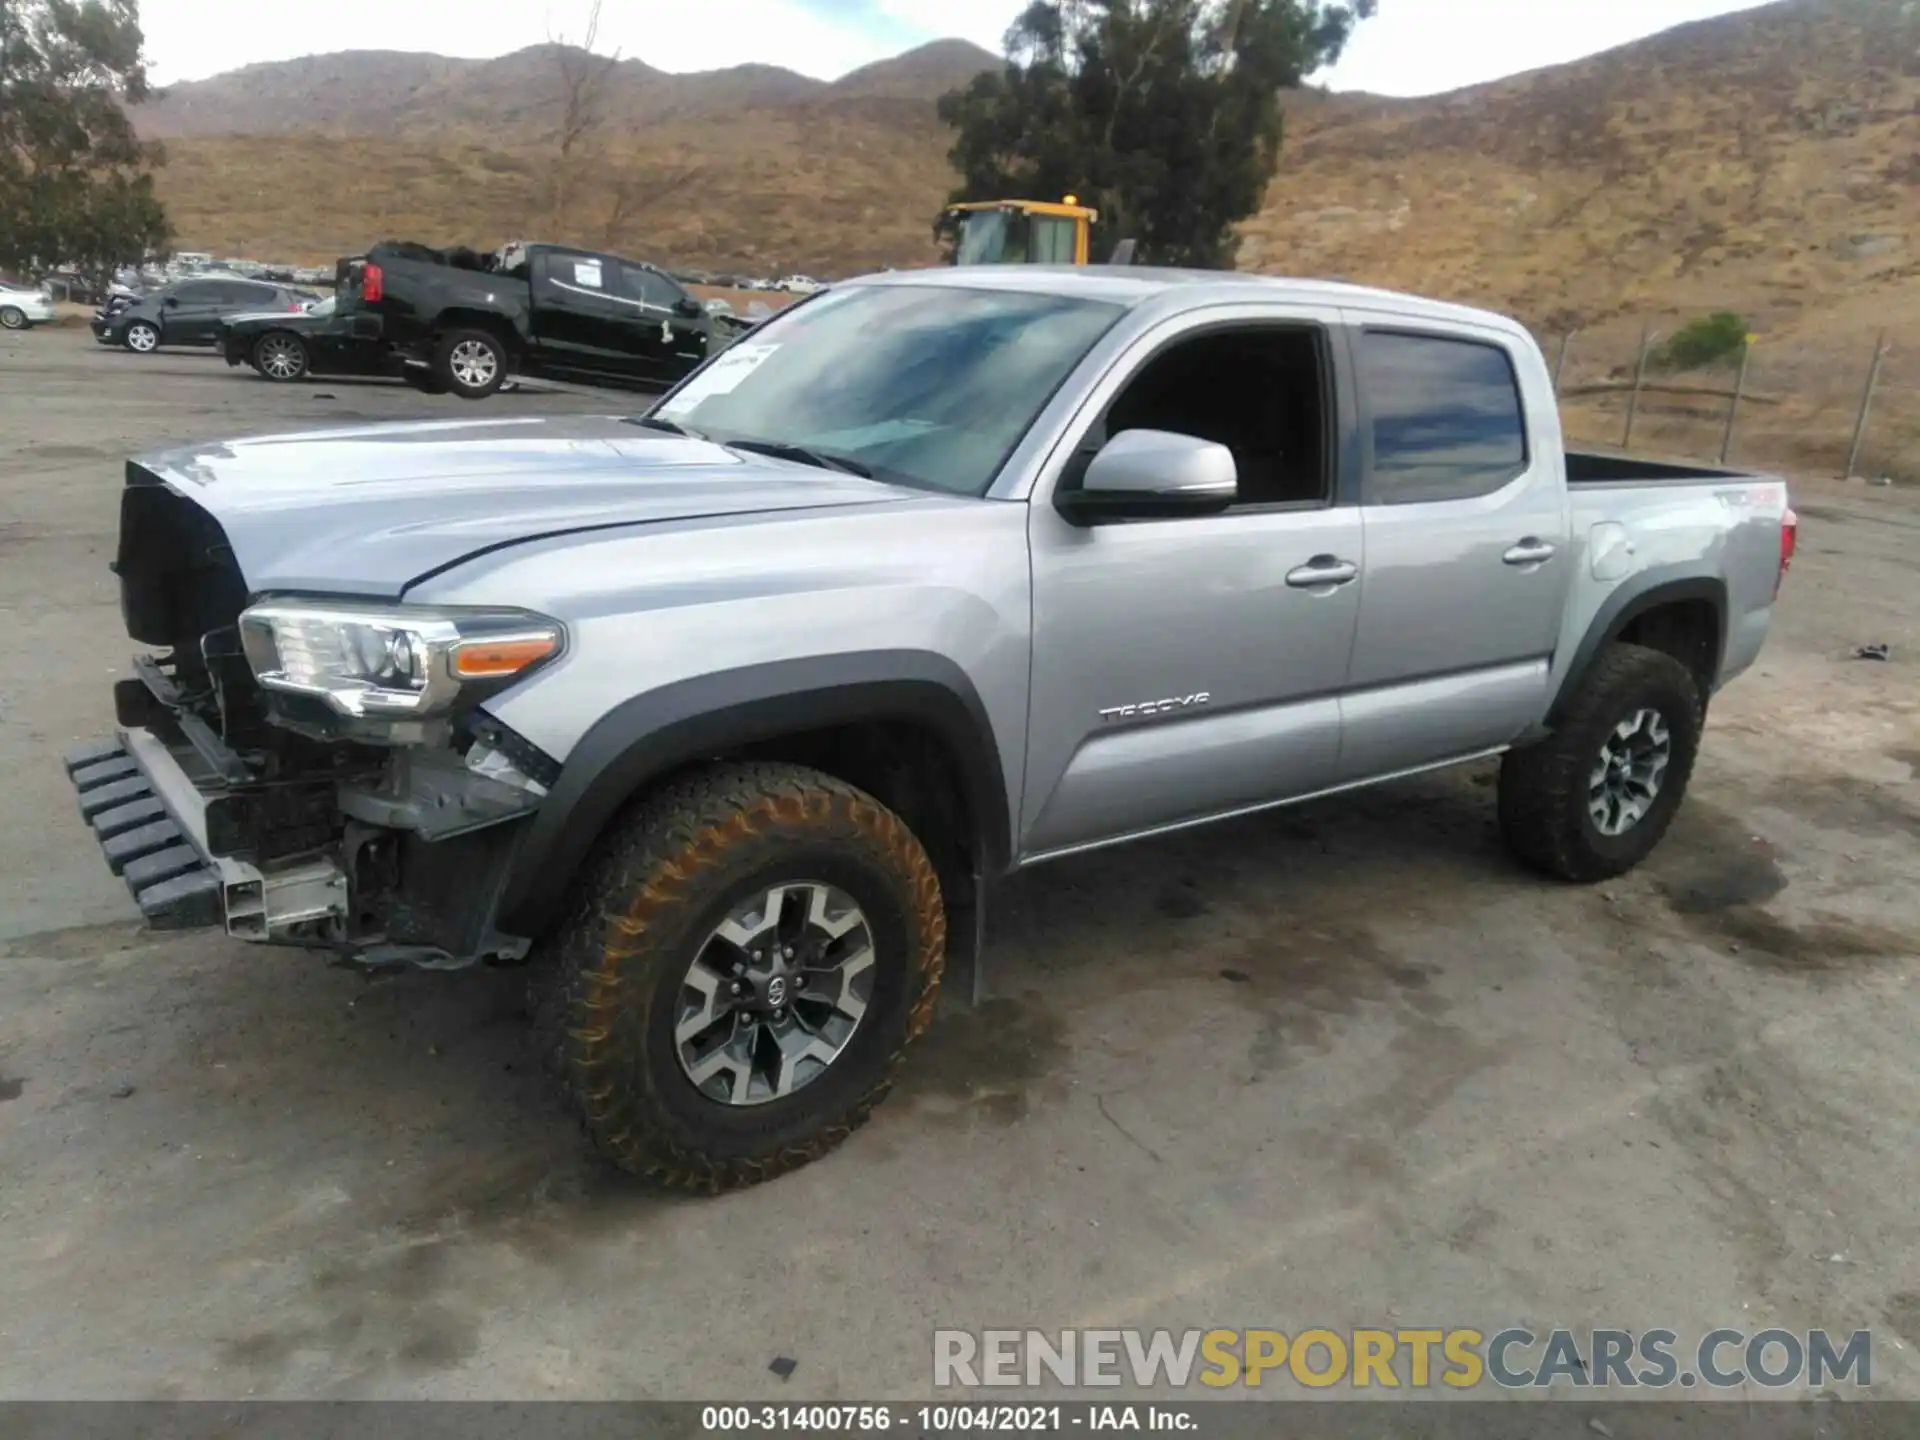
{"x":726,"y":718}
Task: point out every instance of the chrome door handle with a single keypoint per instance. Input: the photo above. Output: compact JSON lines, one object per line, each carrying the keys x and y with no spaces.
{"x":1529,"y":552}
{"x":1323,"y":571}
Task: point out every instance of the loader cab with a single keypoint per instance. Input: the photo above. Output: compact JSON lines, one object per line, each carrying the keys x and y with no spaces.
{"x":1020,"y":232}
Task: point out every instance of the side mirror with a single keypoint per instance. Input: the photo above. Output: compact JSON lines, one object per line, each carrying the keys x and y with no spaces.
{"x":1152,"y":475}
{"x":688,"y":306}
{"x":172,"y":302}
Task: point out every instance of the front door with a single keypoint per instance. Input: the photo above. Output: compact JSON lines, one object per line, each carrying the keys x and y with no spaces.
{"x":1467,"y":550}
{"x":675,"y":342}
{"x":1188,"y":668}
{"x":189,"y":314}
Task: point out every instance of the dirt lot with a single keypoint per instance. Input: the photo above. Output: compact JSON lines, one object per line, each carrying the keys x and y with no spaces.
{"x":1342,"y":1065}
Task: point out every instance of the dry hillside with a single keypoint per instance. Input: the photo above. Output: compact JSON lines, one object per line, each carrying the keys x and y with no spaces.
{"x":1767,"y":161}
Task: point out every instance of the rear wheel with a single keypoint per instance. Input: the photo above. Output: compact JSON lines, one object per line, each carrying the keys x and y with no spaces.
{"x":752,"y":950}
{"x":1593,"y":799}
{"x":470,"y":363}
{"x":280,"y":356}
{"x":141,"y":338}
{"x":12,"y":317}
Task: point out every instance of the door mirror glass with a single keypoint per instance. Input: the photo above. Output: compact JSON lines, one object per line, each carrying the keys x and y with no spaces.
{"x":1141,"y":474}
{"x":687,"y":305}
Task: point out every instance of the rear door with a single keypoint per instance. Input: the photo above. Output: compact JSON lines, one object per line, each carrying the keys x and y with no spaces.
{"x":579,"y":321}
{"x":1466,"y":533}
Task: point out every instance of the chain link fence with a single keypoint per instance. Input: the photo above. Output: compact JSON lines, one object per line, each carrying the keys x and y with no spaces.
{"x":1806,"y":406}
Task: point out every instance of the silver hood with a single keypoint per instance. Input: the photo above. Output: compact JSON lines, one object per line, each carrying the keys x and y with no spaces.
{"x":373,"y":510}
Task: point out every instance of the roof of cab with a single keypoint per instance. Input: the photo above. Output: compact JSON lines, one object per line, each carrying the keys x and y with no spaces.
{"x":1133,"y":285}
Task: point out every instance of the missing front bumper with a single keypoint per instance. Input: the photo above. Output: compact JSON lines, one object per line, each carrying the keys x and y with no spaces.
{"x":151,"y":822}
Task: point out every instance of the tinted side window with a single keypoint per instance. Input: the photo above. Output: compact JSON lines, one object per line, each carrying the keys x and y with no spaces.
{"x":198,"y":292}
{"x":652,"y":287}
{"x":579,"y":272}
{"x":264,"y":295}
{"x":1447,"y":423}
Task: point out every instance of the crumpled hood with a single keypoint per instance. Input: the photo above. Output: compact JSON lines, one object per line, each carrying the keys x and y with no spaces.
{"x":372,"y":510}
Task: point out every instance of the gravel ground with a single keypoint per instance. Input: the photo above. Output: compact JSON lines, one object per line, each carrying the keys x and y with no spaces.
{"x":1341,"y":1065}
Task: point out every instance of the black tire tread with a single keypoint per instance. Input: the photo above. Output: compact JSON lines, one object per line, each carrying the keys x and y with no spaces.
{"x":650,"y":860}
{"x":1543,"y":787}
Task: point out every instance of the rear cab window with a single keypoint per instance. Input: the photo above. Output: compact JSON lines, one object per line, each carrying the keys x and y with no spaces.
{"x":1445,"y":417}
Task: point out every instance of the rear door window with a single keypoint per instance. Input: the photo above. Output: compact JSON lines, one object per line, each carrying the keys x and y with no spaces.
{"x":1446,"y":417}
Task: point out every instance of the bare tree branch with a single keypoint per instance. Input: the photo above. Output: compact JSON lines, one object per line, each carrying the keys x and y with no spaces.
{"x":582,"y":82}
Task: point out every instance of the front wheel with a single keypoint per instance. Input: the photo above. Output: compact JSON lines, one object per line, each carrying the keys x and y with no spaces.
{"x":470,"y":363}
{"x":141,"y":338}
{"x":280,"y":356}
{"x":753,"y":949}
{"x":12,"y":317}
{"x":1593,"y":799}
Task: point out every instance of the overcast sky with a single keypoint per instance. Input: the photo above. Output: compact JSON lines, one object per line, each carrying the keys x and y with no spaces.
{"x":1413,"y":47}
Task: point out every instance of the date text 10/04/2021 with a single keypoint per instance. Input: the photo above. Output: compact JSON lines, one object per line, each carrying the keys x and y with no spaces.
{"x":944,"y":1419}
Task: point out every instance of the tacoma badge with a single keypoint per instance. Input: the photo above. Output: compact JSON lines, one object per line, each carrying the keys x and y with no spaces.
{"x":1171,"y":705}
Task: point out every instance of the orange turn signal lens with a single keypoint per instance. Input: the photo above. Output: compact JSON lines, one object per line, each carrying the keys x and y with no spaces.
{"x":495,"y":659}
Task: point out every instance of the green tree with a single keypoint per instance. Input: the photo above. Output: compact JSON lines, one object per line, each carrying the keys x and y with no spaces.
{"x":1165,"y":115}
{"x":1703,"y":341}
{"x":76,"y":183}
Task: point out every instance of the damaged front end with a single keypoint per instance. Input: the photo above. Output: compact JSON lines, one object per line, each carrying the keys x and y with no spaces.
{"x":309,"y":770}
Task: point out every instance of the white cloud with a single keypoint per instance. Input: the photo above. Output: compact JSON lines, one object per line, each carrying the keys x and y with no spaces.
{"x":1412,"y":47}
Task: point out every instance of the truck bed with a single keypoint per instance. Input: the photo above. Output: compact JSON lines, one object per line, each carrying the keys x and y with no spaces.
{"x":1586,"y":467}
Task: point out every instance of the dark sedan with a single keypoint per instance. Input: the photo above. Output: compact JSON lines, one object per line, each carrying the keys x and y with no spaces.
{"x":317,"y":342}
{"x":189,"y":312}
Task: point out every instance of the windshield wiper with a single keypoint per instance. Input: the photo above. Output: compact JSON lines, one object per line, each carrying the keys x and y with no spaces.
{"x":672,"y":427}
{"x":820,"y":459}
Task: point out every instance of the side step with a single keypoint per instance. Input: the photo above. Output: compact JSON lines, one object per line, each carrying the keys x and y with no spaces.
{"x":172,"y":882}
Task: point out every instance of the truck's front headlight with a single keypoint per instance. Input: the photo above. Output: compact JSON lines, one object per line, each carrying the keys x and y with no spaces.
{"x":398,"y":660}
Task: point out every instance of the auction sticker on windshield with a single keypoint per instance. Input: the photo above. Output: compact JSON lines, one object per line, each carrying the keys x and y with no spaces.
{"x":720,"y":377}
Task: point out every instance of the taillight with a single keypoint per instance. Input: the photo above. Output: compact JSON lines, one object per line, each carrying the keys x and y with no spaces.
{"x":372,"y":283}
{"x":1789,"y":542}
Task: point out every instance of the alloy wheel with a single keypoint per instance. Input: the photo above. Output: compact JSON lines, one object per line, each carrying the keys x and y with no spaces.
{"x":281,"y":357}
{"x":774,"y":994}
{"x":1626,"y":777}
{"x":473,"y":363}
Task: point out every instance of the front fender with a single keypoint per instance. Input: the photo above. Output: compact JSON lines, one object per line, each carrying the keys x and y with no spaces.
{"x":660,"y":731}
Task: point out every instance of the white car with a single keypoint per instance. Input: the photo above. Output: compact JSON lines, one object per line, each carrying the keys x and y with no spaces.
{"x":801,"y":285}
{"x":21,"y":309}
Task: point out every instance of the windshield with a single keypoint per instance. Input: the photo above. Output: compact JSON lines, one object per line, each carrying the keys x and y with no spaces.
{"x":983,"y":238}
{"x":919,"y":384}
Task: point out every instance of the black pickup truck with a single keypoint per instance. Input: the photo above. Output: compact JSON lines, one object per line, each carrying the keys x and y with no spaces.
{"x":462,"y":321}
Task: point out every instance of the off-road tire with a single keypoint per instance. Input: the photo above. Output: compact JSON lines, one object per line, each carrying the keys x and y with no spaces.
{"x":606,"y":984}
{"x":447,"y":372}
{"x":1544,"y":816}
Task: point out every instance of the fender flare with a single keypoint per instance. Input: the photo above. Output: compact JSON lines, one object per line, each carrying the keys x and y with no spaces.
{"x":661,"y":730}
{"x":1635,"y":596}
